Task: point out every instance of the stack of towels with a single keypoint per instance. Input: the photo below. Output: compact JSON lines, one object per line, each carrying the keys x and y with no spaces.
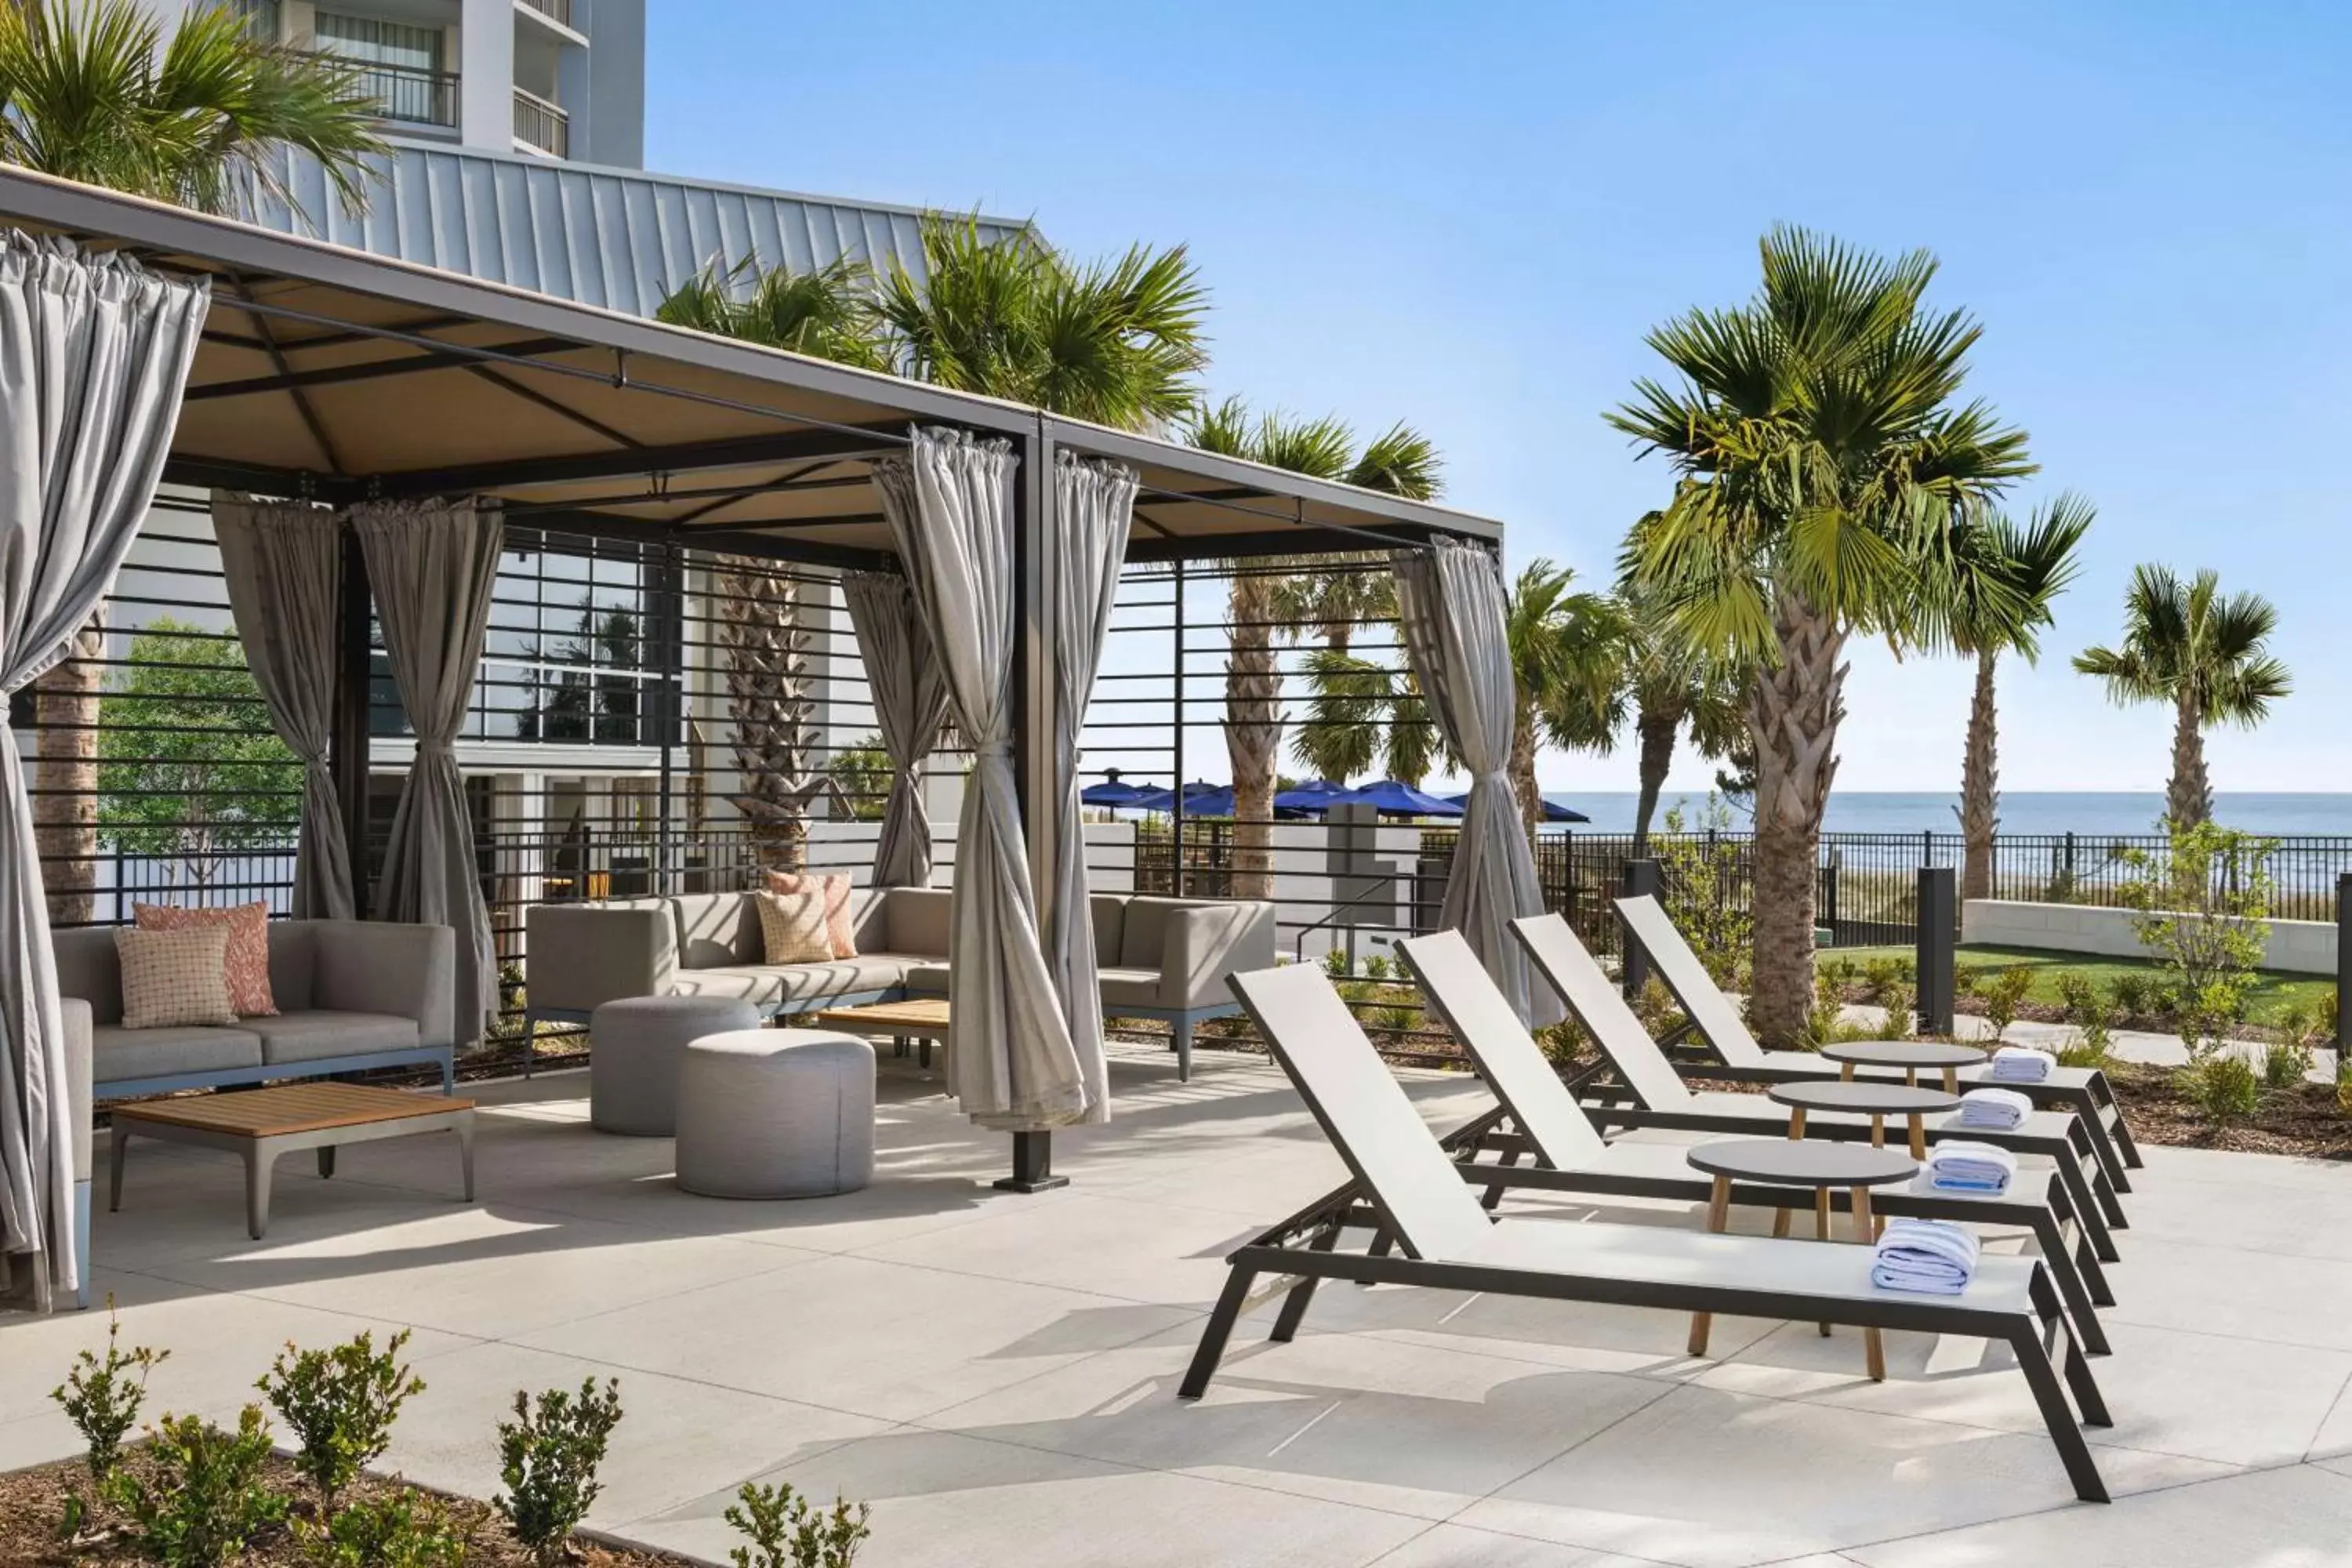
{"x":2020,"y":1063}
{"x":1994,"y":1109}
{"x":1954,"y":1167}
{"x":1933,"y":1256}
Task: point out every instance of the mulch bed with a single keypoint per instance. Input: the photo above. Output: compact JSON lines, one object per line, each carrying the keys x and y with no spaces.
{"x":2303,"y":1120}
{"x":33,"y":1501}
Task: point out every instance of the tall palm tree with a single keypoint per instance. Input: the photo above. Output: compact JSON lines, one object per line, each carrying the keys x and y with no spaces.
{"x":827,"y":312}
{"x":97,"y":92}
{"x":1362,"y":717}
{"x":1568,"y":650}
{"x":2003,"y":580}
{"x":1671,"y":684}
{"x":2206,"y":653}
{"x":1401,"y":462}
{"x":1821,"y":464}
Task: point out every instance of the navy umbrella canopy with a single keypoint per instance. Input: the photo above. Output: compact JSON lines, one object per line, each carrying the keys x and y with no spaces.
{"x":1201,"y":799}
{"x":1116,"y":791}
{"x":1552,"y":810}
{"x":1391,"y":798}
{"x":1311,"y":797}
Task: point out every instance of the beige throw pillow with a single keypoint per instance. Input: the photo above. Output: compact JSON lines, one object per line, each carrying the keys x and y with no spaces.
{"x":835,"y":886}
{"x":172,"y":978}
{"x":793,"y":926}
{"x":249,"y":948}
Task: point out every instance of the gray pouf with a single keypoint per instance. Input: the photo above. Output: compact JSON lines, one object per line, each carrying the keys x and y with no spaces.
{"x":633,"y":1050}
{"x":775,"y":1113}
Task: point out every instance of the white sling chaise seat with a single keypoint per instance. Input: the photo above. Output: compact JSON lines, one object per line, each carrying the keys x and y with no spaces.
{"x":1545,"y":1124}
{"x":2083,"y":1090}
{"x":1662,"y":1100}
{"x":1406,"y":1187}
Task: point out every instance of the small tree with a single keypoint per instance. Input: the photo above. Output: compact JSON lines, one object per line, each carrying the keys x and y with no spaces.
{"x":2203,"y":912}
{"x":101,"y":1394}
{"x":1705,"y":892}
{"x":548,"y":1459}
{"x":864,"y":774}
{"x":341,"y":1404}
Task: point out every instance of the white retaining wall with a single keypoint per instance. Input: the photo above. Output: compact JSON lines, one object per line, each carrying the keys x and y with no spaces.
{"x":2299,"y":947}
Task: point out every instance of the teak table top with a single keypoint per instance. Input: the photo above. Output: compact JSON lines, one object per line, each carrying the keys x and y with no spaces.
{"x":924,"y":1015}
{"x":291,"y":1108}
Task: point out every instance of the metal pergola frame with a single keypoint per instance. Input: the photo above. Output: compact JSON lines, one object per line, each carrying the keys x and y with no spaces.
{"x":336,"y":375}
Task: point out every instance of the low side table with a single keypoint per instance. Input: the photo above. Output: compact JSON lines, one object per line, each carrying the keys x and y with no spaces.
{"x":1797,"y":1162}
{"x":1872,"y":1098}
{"x":923,"y":1019}
{"x":1913,"y":1057}
{"x":261,"y":1124}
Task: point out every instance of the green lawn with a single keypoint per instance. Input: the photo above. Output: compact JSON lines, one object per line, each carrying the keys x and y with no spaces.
{"x":2271,"y":988}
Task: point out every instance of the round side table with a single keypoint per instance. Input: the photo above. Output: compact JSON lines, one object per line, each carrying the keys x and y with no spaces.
{"x":1913,"y":1057}
{"x":1876,"y":1100}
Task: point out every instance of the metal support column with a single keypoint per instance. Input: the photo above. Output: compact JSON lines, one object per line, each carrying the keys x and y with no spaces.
{"x":1643,"y":877}
{"x":1938,"y":947}
{"x":2343,"y":967}
{"x":1176,"y":809}
{"x":347,"y":751}
{"x":669,"y":707}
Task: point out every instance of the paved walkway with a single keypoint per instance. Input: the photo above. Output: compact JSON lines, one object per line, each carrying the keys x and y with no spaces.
{"x":996,"y":1373}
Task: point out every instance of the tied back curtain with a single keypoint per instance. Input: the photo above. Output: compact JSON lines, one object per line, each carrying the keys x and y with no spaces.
{"x":1451,"y":610}
{"x":1094,"y":505}
{"x":950,"y":506}
{"x":432,"y":565}
{"x":283,"y":564}
{"x":910,"y":702}
{"x":94,"y":355}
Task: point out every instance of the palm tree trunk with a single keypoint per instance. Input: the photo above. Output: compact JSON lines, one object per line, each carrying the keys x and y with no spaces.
{"x":1980,"y":785}
{"x":767,"y":646}
{"x":1795,"y":706}
{"x":2188,"y":797}
{"x":1252,"y":731}
{"x":1657,"y":727}
{"x":65,"y":779}
{"x":1523,"y":768}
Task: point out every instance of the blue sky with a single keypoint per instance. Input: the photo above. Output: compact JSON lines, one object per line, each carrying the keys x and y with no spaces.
{"x":1467,"y":219}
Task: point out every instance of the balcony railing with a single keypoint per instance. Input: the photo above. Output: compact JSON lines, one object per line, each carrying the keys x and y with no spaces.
{"x":554,"y":10}
{"x":408,"y":93}
{"x":541,"y":124}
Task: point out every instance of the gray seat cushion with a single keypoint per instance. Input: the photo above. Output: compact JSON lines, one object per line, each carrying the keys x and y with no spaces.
{"x":916,"y":921}
{"x":632,"y":1069}
{"x":775,"y":1113}
{"x":778,"y":984}
{"x":1130,"y":987}
{"x":929,"y":977}
{"x":309,"y":1036}
{"x":118,"y":1054}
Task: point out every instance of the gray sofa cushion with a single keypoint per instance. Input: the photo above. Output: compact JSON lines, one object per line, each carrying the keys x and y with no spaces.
{"x":293,"y":952}
{"x":717,"y":928}
{"x":1130,"y":987}
{"x":772,"y":986}
{"x":117,"y":1053}
{"x":869,"y":919}
{"x":1143,"y":942}
{"x":919,"y":921}
{"x":1109,"y":910}
{"x":930,"y":977}
{"x":309,"y":1035}
{"x":87,"y":967}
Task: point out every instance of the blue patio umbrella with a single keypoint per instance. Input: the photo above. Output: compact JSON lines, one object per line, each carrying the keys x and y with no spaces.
{"x":1552,"y":810}
{"x":1311,"y":797}
{"x":1201,"y":799}
{"x":1115,"y":791}
{"x":1391,"y":798}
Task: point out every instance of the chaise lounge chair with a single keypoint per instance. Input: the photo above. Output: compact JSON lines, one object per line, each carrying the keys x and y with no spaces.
{"x":1660,"y":1098}
{"x":2083,"y":1090}
{"x":1545,"y":1124}
{"x":1406,"y":1188}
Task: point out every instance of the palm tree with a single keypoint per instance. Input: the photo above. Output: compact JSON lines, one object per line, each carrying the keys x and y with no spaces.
{"x":1401,"y":462}
{"x":98,"y":93}
{"x":2205,"y":653}
{"x":2005,"y":580}
{"x":827,"y":312}
{"x":1363,"y":717}
{"x":1568,"y":651}
{"x":1671,"y":684}
{"x":1821,"y":465}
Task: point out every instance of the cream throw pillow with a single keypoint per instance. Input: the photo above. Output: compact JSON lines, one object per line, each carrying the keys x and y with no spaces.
{"x":792,"y":925}
{"x":835,"y":889}
{"x":172,"y":978}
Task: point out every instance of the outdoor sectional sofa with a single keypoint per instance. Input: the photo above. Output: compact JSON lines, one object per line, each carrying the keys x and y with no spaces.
{"x":1159,"y":958}
{"x":351,"y":995}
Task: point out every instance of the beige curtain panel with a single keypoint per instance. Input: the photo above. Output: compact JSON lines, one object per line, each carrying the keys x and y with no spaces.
{"x":910,"y":702}
{"x":94,"y":355}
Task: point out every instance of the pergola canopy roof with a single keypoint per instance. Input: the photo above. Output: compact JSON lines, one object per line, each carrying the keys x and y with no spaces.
{"x":334,"y":374}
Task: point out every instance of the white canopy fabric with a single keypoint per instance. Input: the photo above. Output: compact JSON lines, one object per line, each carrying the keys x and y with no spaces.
{"x":282,"y":563}
{"x":910,"y":692}
{"x":432,"y":566}
{"x":949,"y":501}
{"x":1452,"y":611}
{"x":94,"y":356}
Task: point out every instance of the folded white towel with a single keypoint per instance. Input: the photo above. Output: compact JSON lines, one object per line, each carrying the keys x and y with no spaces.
{"x":2020,"y":1064}
{"x":1957,"y":1165}
{"x":1934,"y":1257}
{"x":2001,"y":1110}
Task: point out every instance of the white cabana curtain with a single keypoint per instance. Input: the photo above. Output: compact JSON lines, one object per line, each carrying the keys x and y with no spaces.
{"x":431,"y":565}
{"x":1094,"y":507}
{"x":94,"y":355}
{"x":950,"y":506}
{"x":1451,"y":608}
{"x":282,"y":563}
{"x":910,"y":701}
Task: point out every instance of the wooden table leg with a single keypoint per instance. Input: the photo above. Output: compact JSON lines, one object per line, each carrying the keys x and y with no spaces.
{"x":1797,"y":1122}
{"x":1865,"y":1231}
{"x":1821,"y":1229}
{"x":1919,"y":1138}
{"x":1719,"y":1213}
{"x":1878,"y":1132}
{"x":1845,"y":1072}
{"x":1952,"y":1080}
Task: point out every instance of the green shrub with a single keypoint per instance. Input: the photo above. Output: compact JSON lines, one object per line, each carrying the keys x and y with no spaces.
{"x":1335,"y":963}
{"x":2285,"y":1064}
{"x":1397,"y":1018}
{"x":1881,"y":977}
{"x":101,"y":1394}
{"x":787,"y":1533}
{"x":2079,"y":994}
{"x":2203,"y":906}
{"x":1967,"y":978}
{"x":2131,"y":993}
{"x":2343,"y":1082}
{"x":198,"y":1492}
{"x":548,"y":1460}
{"x":1564,"y":1044}
{"x":1707,"y":892}
{"x":1837,"y":976}
{"x":2003,"y":991}
{"x":2092,"y":1046}
{"x":404,"y":1530}
{"x":340,"y":1404}
{"x":2224,"y":1088}
{"x":1376,"y":966}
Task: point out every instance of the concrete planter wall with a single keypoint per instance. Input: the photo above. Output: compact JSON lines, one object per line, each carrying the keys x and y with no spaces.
{"x":2299,"y":947}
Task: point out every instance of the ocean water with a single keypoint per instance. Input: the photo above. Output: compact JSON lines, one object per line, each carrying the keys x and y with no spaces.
{"x":2024,"y":812}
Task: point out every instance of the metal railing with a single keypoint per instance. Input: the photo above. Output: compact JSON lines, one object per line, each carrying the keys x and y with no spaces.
{"x":541,"y":124}
{"x":409,"y":93}
{"x":558,"y":11}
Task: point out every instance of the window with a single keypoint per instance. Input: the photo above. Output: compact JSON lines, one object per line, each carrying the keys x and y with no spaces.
{"x":376,"y":42}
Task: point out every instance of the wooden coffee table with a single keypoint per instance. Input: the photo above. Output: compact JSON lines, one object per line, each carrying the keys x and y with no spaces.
{"x":261,"y":1124}
{"x":922,"y":1020}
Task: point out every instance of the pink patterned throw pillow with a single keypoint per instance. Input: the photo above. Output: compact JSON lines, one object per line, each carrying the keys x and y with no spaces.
{"x":835,"y":889}
{"x":249,"y":948}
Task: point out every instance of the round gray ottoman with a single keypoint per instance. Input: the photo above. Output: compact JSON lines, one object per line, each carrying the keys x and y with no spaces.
{"x":775,"y":1113}
{"x":633,"y":1050}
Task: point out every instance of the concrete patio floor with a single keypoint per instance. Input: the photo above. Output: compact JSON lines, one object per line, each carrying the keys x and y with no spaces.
{"x":996,"y":1373}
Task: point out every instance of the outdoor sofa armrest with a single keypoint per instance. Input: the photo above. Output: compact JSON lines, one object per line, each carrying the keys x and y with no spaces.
{"x":80,"y":1067}
{"x":580,"y":954}
{"x":383,"y":966}
{"x":1204,"y":943}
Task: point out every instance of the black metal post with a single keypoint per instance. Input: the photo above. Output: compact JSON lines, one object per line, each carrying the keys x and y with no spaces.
{"x":1940,"y":892}
{"x":348,"y":750}
{"x":2343,"y":963}
{"x":1643,"y":877}
{"x":1176,"y":808}
{"x":668,"y":631}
